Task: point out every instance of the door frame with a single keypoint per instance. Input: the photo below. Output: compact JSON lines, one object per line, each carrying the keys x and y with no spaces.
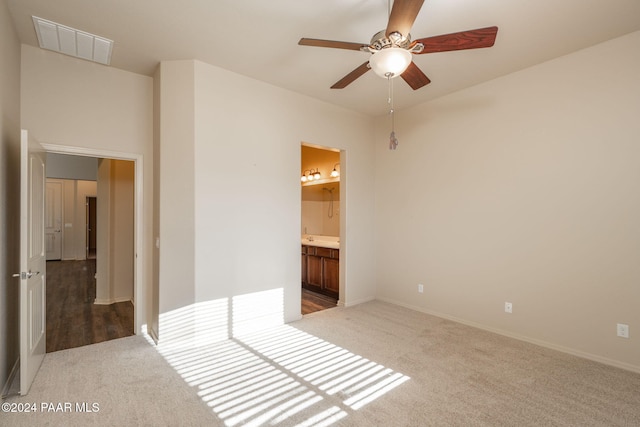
{"x":60,"y":209}
{"x":88,"y":234}
{"x":139,"y":291}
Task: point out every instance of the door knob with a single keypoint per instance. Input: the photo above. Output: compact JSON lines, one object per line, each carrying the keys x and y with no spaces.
{"x":24,"y":275}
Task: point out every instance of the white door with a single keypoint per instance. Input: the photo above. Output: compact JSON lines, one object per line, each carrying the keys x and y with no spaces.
{"x":32,"y":261}
{"x":53,"y":220}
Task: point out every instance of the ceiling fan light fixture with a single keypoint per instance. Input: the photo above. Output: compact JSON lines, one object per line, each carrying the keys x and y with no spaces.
{"x":390,"y":62}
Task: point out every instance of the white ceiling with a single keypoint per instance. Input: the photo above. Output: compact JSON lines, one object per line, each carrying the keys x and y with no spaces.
{"x":258,"y":38}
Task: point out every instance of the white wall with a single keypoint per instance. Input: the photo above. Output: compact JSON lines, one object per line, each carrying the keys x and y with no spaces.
{"x":153,"y":291}
{"x":524,"y":189}
{"x":115,"y":243}
{"x":71,"y":102}
{"x":122,"y":225}
{"x":103,"y":233}
{"x":245,"y":176}
{"x":247,"y":187}
{"x":176,"y":188}
{"x":72,"y":167}
{"x":9,"y":192}
{"x":316,"y":209}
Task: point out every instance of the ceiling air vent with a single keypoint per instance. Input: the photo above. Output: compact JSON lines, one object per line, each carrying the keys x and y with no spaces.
{"x":72,"y":42}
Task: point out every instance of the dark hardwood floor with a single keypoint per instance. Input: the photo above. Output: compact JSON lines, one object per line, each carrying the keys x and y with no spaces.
{"x":73,"y":320}
{"x":312,"y":302}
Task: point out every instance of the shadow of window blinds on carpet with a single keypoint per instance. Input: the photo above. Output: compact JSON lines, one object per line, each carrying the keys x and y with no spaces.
{"x":253,"y":370}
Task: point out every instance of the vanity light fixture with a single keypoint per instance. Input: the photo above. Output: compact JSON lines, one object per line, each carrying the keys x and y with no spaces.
{"x":310,"y":175}
{"x":334,"y":172}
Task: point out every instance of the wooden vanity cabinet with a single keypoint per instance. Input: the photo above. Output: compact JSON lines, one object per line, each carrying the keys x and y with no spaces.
{"x":321,"y":270}
{"x":314,"y":270}
{"x":331,"y":276}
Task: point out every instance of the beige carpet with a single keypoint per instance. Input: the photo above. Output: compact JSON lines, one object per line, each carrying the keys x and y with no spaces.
{"x":375,"y":364}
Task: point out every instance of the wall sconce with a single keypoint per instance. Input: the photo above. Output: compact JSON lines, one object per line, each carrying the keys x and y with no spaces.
{"x":334,"y":172}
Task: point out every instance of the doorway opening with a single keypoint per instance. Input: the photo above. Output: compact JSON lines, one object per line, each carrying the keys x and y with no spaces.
{"x":92,"y":288}
{"x":321,"y":228}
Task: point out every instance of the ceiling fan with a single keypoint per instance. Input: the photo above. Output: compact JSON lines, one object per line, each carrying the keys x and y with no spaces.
{"x":392,"y":48}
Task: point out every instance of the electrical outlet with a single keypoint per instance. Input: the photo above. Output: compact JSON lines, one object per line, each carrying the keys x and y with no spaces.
{"x":508,"y":307}
{"x":420,"y":288}
{"x":623,"y":330}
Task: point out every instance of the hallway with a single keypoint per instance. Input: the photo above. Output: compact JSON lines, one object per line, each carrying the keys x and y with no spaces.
{"x":73,"y":320}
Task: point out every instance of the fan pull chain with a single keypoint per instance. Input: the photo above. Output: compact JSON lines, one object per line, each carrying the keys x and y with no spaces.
{"x":393,"y":141}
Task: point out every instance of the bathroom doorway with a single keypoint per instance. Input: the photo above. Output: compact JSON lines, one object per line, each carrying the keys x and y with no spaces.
{"x":320,"y":227}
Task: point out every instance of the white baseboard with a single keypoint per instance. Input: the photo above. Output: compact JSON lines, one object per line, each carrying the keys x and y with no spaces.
{"x":541,"y":343}
{"x":111,"y":301}
{"x":351,"y":303}
{"x":12,"y":376}
{"x":151,"y":333}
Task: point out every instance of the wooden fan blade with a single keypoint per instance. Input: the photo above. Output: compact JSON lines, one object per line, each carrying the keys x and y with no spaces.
{"x":415,"y":77}
{"x":349,"y":78}
{"x":403,"y":15}
{"x":472,"y":39}
{"x":331,"y":43}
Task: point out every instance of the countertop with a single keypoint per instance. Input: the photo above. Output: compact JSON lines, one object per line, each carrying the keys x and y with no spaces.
{"x":331,"y":242}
